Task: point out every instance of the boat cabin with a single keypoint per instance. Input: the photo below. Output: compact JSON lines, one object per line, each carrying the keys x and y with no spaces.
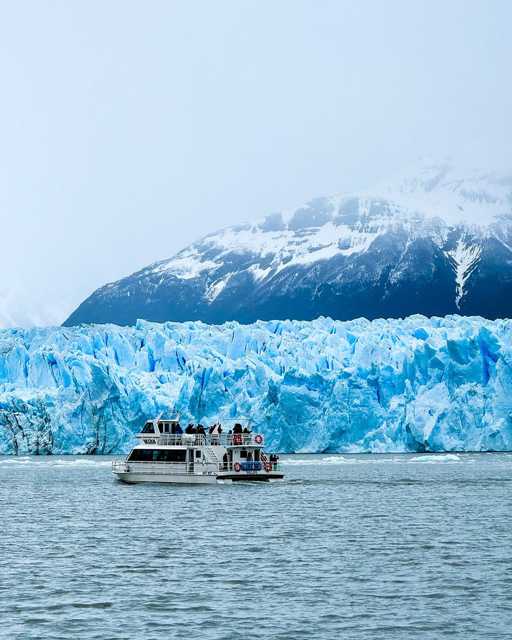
{"x":165,"y":451}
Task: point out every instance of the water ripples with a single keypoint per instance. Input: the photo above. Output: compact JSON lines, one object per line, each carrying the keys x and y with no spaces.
{"x":352,"y":547}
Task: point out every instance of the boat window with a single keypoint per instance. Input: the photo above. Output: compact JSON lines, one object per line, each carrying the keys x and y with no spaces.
{"x":148,"y":428}
{"x":198,"y":453}
{"x":141,"y":455}
{"x":157,"y":455}
{"x":172,"y":455}
{"x":243,"y":453}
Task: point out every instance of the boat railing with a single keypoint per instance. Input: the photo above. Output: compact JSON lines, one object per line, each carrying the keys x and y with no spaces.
{"x":123,"y":466}
{"x":150,"y":466}
{"x":205,"y":439}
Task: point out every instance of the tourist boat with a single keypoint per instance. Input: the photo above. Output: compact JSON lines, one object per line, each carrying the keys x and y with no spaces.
{"x":166,"y":454}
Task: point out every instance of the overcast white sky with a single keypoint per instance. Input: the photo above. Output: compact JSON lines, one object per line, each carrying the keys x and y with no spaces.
{"x":129,"y":129}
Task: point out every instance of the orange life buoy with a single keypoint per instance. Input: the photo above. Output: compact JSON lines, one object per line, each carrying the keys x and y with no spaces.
{"x":258,"y":439}
{"x":268,"y":467}
{"x":237,"y":467}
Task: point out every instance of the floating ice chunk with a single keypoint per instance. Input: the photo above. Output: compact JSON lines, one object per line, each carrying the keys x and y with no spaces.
{"x":447,"y":457}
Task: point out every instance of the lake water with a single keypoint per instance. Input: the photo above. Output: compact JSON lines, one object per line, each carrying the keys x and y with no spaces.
{"x":363,"y":547}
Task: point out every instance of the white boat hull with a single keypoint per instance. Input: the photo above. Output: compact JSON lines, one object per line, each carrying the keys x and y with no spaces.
{"x":133,"y":477}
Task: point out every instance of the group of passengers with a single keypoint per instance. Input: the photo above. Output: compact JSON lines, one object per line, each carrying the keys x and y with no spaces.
{"x":238,"y":429}
{"x":191,"y":428}
{"x":214,"y":430}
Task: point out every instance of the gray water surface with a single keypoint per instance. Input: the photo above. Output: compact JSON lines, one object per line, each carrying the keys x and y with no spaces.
{"x":380,"y":546}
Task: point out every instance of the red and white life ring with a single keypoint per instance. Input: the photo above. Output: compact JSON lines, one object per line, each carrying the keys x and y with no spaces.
{"x":258,"y":439}
{"x":237,"y":438}
{"x":237,"y":467}
{"x":268,"y":467}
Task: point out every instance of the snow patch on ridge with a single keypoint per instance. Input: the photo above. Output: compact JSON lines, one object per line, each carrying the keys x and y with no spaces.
{"x":258,"y":273}
{"x":464,"y":258}
{"x":187,"y":265}
{"x":215,"y":289}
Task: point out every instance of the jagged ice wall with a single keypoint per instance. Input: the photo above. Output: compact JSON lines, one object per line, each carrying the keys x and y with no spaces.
{"x":440,"y":384}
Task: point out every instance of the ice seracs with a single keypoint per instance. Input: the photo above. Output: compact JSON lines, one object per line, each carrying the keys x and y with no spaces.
{"x":168,"y":454}
{"x":418,"y":384}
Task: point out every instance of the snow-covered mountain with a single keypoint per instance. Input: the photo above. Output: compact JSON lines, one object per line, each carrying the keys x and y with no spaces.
{"x":435,"y":242}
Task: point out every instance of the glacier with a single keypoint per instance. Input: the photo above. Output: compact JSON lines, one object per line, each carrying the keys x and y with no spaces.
{"x":416,"y":384}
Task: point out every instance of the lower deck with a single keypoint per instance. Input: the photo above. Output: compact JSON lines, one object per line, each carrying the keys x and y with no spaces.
{"x":195,"y":472}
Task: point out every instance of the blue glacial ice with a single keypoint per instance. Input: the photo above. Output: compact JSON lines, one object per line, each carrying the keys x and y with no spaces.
{"x":419,"y":384}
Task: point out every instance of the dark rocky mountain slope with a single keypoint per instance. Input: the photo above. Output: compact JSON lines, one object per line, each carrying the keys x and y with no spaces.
{"x":437,"y":243}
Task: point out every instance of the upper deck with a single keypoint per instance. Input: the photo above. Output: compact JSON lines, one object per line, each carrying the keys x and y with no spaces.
{"x":204,"y":439}
{"x":163,"y":433}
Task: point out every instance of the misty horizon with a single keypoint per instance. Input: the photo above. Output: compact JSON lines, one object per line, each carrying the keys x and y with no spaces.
{"x":127,"y":138}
